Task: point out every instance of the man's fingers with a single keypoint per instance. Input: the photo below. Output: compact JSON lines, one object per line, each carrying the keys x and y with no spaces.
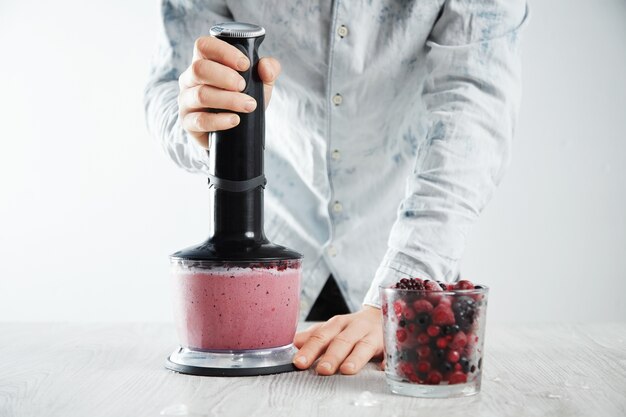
{"x":204,"y":71}
{"x":201,"y":121}
{"x":211,"y":48}
{"x":204,"y":96}
{"x":364,"y":350}
{"x":301,"y":338}
{"x":340,"y":347}
{"x":269,"y":69}
{"x":319,"y":340}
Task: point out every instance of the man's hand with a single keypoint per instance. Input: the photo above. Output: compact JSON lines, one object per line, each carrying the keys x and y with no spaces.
{"x":212,"y":82}
{"x":345,"y":343}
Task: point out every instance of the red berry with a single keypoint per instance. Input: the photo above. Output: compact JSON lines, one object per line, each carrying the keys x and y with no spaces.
{"x":423,"y":351}
{"x":464,"y":285}
{"x":406,"y":368}
{"x":423,"y":338}
{"x":445,"y":301}
{"x":434,"y":377}
{"x":433,"y":330}
{"x":458,"y":377}
{"x":422,"y":306}
{"x":432,"y":286}
{"x":442,"y":343}
{"x":443,"y":315}
{"x":454,"y":356}
{"x":414,"y":378}
{"x":398,"y":306}
{"x":459,"y":341}
{"x":401,"y":335}
{"x":408,"y":312}
{"x":423,"y":366}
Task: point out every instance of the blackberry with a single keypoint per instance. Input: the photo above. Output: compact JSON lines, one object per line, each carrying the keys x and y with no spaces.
{"x":446,"y":367}
{"x":410,"y":284}
{"x":402,"y":323}
{"x":423,"y":319}
{"x":464,"y":312}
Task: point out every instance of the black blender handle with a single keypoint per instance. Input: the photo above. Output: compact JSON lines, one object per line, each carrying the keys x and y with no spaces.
{"x":236,"y":154}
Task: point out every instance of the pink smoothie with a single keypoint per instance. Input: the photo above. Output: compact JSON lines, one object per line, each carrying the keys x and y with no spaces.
{"x":232,"y":308}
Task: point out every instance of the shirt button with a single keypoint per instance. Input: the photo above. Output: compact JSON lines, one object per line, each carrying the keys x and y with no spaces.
{"x":337,"y":207}
{"x":335,"y":155}
{"x":337,"y":99}
{"x":342,"y":31}
{"x":332,"y":251}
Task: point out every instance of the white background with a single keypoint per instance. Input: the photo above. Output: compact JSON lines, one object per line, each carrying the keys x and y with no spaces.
{"x":90,"y":207}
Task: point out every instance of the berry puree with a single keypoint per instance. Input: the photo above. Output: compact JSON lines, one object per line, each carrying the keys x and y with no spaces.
{"x":236,"y":307}
{"x":434,"y":331}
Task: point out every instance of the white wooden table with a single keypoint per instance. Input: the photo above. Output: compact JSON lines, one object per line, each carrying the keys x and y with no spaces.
{"x":92,"y":370}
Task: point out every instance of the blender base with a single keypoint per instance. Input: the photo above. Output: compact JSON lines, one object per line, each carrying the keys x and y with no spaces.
{"x":232,"y":362}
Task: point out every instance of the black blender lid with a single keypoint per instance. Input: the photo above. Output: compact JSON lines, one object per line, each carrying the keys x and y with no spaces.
{"x":207,"y":251}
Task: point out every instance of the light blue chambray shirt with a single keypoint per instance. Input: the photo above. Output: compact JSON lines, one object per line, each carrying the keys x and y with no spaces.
{"x":387,"y":132}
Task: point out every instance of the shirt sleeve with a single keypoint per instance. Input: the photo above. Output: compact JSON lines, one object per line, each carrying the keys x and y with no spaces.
{"x":471,"y":95}
{"x":182,"y":22}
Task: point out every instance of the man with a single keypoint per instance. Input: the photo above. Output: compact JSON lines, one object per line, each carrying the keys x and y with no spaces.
{"x":387,"y":135}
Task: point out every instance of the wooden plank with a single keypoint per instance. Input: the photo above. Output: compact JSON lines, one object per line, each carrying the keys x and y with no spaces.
{"x":117,"y":370}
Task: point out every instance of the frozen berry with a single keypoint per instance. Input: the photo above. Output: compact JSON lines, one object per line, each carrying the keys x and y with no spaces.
{"x":423,"y":351}
{"x":454,"y":356}
{"x":423,"y":366}
{"x":408,"y":313}
{"x":411,"y":328}
{"x":423,"y":338}
{"x":398,"y":306}
{"x":443,"y":315}
{"x":442,"y":343}
{"x":406,"y":368}
{"x":422,"y":306}
{"x":434,"y":377}
{"x":458,"y":341}
{"x":447,"y":367}
{"x":423,"y":319}
{"x":440,"y":353}
{"x":433,"y":330}
{"x":401,"y":335}
{"x":464,"y":285}
{"x":410,"y":284}
{"x":445,"y":301}
{"x":464,"y":362}
{"x":457,"y":378}
{"x":431,"y":286}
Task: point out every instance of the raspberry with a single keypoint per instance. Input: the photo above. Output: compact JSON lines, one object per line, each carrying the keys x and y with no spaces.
{"x":423,"y":351}
{"x":432,"y":330}
{"x":434,"y":377}
{"x":423,"y":366}
{"x":432,"y":286}
{"x":401,"y":335}
{"x":442,"y":343}
{"x":398,"y":306}
{"x":443,"y":315}
{"x":459,"y":341}
{"x":445,"y":301}
{"x":454,"y":356}
{"x":423,"y":338}
{"x":406,"y":368}
{"x":422,"y":306}
{"x":464,"y":285}
{"x":458,"y":377}
{"x":408,"y":313}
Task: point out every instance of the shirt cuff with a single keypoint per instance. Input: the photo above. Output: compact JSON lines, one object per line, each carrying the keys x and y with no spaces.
{"x":388,"y":273}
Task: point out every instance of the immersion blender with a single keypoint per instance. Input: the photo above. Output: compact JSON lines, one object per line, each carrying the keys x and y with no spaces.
{"x":236,"y":296}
